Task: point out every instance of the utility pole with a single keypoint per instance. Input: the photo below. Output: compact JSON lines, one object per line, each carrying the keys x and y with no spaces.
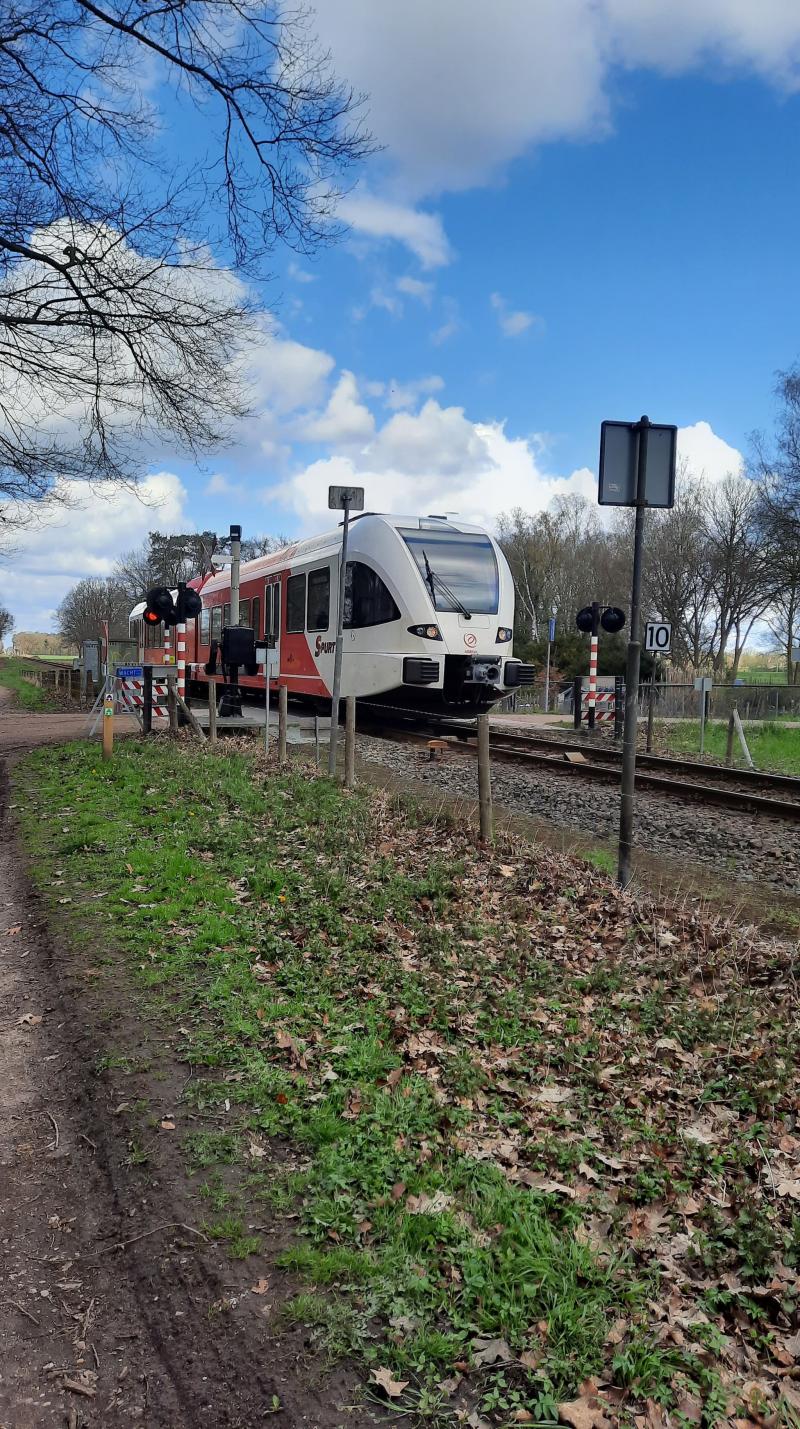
{"x":230,"y":704}
{"x":551,"y":635}
{"x":632,"y":671}
{"x":345,"y":499}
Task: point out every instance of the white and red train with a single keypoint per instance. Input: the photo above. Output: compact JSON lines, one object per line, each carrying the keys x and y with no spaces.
{"x":428,"y":618}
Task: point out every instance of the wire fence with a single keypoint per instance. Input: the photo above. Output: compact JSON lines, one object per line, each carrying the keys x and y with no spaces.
{"x":671,"y":701}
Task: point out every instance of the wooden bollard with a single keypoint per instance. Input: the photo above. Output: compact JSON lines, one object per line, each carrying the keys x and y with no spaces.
{"x":484,"y":781}
{"x":283,"y":714}
{"x":212,"y":711}
{"x":350,"y":742}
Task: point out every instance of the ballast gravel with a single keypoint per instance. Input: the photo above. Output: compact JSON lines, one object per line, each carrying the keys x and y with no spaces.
{"x":748,"y":846}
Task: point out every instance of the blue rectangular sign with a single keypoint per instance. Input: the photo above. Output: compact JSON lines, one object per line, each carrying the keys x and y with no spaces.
{"x":552,"y":634}
{"x":129,"y":672}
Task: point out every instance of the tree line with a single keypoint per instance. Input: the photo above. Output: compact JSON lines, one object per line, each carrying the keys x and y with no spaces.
{"x":163,"y":560}
{"x":725,"y":558}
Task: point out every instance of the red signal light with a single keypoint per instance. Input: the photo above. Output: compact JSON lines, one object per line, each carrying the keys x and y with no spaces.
{"x":150,"y":618}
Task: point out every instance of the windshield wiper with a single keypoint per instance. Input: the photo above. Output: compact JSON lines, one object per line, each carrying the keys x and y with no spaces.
{"x":433,"y":579}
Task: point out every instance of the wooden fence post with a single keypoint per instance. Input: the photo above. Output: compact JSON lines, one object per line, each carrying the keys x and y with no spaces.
{"x":283,"y":711}
{"x":484,"y":780}
{"x":212,"y":711}
{"x":350,"y":742}
{"x":729,"y":745}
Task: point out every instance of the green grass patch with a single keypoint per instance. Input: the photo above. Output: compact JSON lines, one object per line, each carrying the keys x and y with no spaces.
{"x":27,"y":695}
{"x":481,"y":1066}
{"x":773,"y":745}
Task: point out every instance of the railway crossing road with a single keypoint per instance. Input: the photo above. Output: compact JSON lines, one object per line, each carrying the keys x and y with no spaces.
{"x":25,"y":729}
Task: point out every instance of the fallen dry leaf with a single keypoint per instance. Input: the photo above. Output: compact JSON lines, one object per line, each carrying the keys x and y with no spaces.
{"x":425,"y":1205}
{"x":260,"y":1288}
{"x":386,"y":1381}
{"x":29,"y":1019}
{"x":783,"y":1188}
{"x":12,"y":932}
{"x":167,"y":1125}
{"x":551,"y":1096}
{"x":490,"y":1351}
{"x":583,"y":1413}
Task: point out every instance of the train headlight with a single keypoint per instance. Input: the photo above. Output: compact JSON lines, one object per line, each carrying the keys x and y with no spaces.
{"x":503,"y":635}
{"x":426,"y":632}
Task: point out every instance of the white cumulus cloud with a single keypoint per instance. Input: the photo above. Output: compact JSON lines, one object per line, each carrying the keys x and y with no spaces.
{"x":82,"y":537}
{"x":382,"y":218}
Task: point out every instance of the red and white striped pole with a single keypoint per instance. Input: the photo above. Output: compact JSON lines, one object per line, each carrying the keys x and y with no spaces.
{"x":167,"y":645}
{"x":182,"y":659}
{"x":592,"y":698}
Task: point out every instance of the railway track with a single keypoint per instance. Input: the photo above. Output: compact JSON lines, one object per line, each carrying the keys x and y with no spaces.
{"x":774,"y":794}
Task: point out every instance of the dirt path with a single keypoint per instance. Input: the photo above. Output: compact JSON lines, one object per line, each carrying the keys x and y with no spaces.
{"x":112,"y":1311}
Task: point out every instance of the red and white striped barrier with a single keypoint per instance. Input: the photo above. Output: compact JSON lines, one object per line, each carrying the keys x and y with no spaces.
{"x":605,"y":702}
{"x":591,"y":698}
{"x":182,"y":660}
{"x":133,"y":695}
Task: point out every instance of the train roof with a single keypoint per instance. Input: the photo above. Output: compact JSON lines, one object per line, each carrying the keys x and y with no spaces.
{"x":330,"y":541}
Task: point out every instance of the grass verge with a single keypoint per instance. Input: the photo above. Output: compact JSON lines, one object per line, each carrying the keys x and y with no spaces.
{"x":544,"y":1144}
{"x":27,"y":695}
{"x":773,"y":746}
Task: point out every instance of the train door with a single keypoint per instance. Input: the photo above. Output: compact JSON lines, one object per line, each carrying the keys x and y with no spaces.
{"x":272,"y":621}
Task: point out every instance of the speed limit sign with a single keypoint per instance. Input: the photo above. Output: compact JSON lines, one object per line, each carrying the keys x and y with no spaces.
{"x":658,"y":638}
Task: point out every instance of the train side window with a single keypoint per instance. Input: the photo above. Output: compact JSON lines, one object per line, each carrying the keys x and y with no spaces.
{"x":318,"y":610}
{"x":367,"y":600}
{"x":216,"y":623}
{"x":296,"y":604}
{"x":256,"y":616}
{"x":226,"y":615}
{"x":205,"y":627}
{"x":244,"y":612}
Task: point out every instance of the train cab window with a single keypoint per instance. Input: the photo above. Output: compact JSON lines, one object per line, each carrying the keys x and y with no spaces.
{"x":367,"y":601}
{"x":256,"y":617}
{"x":226,"y":615}
{"x":296,"y":604}
{"x":216,"y":623}
{"x":272,"y":615}
{"x":205,"y":627}
{"x":459,"y":569}
{"x":318,"y":609}
{"x":244,"y":612}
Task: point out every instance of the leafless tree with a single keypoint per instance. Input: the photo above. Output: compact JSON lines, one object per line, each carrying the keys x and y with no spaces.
{"x":740,"y":573}
{"x":87,"y":606}
{"x":677,"y":584}
{"x":6,"y":624}
{"x":120,"y":318}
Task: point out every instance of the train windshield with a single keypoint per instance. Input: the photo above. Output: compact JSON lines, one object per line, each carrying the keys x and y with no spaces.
{"x":459,"y":570}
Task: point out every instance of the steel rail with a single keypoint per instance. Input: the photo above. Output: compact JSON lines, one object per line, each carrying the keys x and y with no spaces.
{"x":500,"y":748}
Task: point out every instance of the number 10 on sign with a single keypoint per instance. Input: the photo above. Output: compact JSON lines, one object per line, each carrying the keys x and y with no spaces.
{"x":658,"y":638}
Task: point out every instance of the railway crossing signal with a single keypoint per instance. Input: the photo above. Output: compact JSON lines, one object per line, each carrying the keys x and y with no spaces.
{"x":160,"y":605}
{"x":589,"y":620}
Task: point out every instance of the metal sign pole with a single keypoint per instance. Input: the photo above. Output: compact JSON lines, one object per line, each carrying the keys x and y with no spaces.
{"x":632,"y":672}
{"x":337,"y":659}
{"x":702,"y":720}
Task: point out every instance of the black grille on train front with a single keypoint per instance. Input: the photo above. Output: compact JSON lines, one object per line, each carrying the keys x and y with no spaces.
{"x":420,"y":672}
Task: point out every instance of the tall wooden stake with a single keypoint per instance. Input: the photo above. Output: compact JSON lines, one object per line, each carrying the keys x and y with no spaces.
{"x":283,"y":712}
{"x":108,"y":722}
{"x":350,"y":741}
{"x":484,"y":781}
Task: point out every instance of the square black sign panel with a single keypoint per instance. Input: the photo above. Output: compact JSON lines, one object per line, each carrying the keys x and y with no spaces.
{"x":619,"y":455}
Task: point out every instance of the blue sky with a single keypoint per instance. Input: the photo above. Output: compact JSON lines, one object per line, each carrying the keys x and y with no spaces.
{"x":584,"y":209}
